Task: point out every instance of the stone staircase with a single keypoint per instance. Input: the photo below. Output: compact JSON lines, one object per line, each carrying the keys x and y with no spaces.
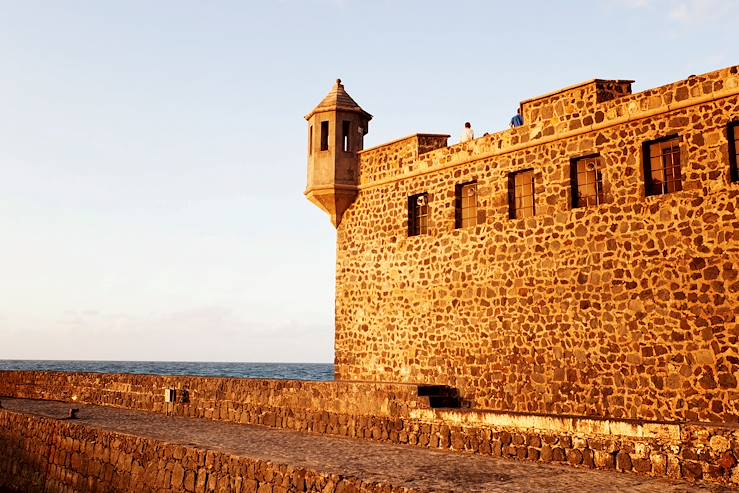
{"x":440,"y":396}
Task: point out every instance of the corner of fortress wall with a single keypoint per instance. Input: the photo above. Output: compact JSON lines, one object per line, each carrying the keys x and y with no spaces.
{"x":624,"y":310}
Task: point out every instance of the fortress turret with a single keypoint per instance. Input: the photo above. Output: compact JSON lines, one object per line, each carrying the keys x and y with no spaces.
{"x":336,"y":130}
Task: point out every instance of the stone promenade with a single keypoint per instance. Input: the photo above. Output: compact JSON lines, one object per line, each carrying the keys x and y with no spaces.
{"x":418,"y":470}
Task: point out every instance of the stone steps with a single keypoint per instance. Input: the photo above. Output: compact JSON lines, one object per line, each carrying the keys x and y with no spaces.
{"x":440,"y":396}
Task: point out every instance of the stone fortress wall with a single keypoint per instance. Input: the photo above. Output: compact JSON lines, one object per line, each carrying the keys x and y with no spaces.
{"x":43,"y":454}
{"x":629,"y":309}
{"x":229,"y":399}
{"x":603,"y":337}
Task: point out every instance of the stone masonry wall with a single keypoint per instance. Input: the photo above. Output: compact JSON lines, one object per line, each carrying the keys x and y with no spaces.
{"x":572,"y":102}
{"x":688,"y":451}
{"x":229,"y":399}
{"x":398,"y":155}
{"x":42,"y":455}
{"x":624,"y":310}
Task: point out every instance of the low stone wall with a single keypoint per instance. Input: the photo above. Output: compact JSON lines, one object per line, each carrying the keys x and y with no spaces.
{"x":394,"y":413}
{"x":228,"y":399}
{"x":50,"y":456}
{"x":688,"y":451}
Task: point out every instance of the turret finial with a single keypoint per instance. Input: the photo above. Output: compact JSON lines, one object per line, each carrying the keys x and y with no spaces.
{"x":338,"y":81}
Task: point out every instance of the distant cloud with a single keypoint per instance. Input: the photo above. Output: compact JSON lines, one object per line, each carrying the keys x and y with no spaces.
{"x":717,"y":60}
{"x":337,"y":3}
{"x":209,"y":333}
{"x":635,"y":3}
{"x":687,"y":11}
{"x":699,"y":11}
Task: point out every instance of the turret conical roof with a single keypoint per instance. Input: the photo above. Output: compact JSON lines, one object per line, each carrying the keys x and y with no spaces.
{"x":338,"y":99}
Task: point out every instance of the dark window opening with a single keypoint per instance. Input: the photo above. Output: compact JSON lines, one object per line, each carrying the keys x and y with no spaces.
{"x":310,"y":140}
{"x":345,"y":135}
{"x":734,"y":150}
{"x":465,"y":205}
{"x":521,"y":194}
{"x":418,"y":214}
{"x":324,"y":136}
{"x":662,"y":166}
{"x":587,"y":181}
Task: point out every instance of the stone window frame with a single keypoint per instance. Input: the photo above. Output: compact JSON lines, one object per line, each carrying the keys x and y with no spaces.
{"x":419,"y":213}
{"x":515,"y":209}
{"x":732,"y":134}
{"x":465,"y":215}
{"x":576,"y":182}
{"x":666,"y":185}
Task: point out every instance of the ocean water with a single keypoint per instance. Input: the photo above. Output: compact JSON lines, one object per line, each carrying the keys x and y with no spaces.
{"x":283,"y":371}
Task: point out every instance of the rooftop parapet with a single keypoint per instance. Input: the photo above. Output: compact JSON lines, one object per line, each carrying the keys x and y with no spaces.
{"x":573,"y":101}
{"x":399,"y":154}
{"x":600,"y":110}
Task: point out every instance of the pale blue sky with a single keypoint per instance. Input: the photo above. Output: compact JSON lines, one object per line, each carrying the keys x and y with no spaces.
{"x":153,"y":153}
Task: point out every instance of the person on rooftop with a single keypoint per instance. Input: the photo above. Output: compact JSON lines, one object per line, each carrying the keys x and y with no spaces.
{"x":517,"y":120}
{"x":468,"y":133}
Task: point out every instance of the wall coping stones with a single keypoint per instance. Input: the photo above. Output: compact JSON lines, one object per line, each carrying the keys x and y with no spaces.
{"x":574,"y":86}
{"x":117,"y":450}
{"x":551,"y":423}
{"x":408,"y":138}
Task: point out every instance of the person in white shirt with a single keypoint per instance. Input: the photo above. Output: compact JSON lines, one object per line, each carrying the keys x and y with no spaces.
{"x":468,"y":133}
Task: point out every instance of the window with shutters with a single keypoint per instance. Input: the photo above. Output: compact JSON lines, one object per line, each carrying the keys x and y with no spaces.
{"x":418,"y":214}
{"x":662,"y":162}
{"x":521,"y":199}
{"x":587,"y":181}
{"x":734,"y":150}
{"x":465,"y":205}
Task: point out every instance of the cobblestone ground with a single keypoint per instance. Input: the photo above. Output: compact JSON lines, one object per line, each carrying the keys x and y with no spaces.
{"x":420,"y":469}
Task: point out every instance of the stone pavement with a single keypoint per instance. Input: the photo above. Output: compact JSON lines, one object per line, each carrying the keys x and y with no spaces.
{"x":422,"y":470}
